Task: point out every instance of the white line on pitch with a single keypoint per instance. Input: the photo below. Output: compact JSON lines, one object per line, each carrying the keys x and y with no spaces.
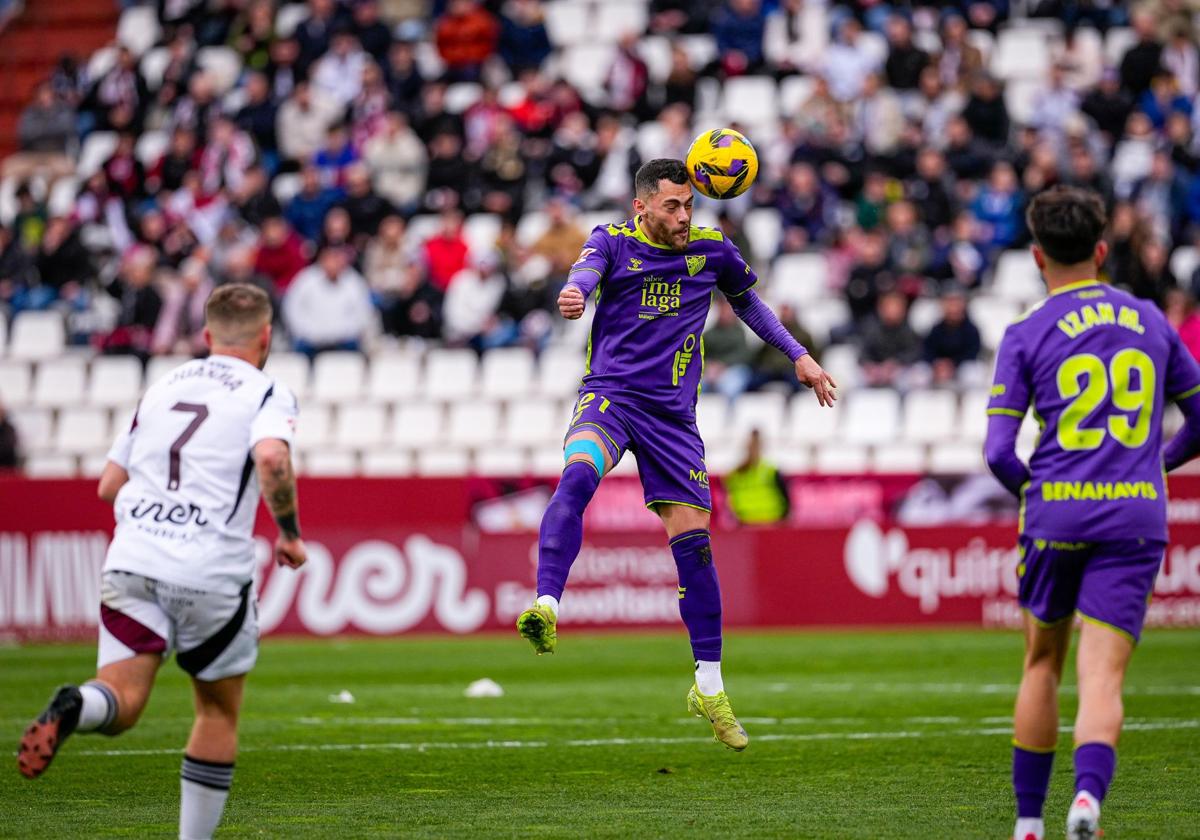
{"x":417,"y":746}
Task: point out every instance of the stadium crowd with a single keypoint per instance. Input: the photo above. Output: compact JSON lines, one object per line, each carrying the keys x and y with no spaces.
{"x":338,"y":161}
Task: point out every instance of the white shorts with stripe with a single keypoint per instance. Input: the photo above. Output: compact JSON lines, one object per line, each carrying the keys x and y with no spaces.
{"x":214,"y":635}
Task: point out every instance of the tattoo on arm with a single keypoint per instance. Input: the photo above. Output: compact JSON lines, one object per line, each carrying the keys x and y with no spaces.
{"x":279,"y":490}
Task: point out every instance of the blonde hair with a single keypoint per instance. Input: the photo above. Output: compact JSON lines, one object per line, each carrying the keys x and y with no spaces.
{"x":236,"y":312}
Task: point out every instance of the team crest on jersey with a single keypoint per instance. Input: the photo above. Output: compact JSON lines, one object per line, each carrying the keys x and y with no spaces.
{"x":695,"y":265}
{"x":635,"y":264}
{"x":584,"y":254}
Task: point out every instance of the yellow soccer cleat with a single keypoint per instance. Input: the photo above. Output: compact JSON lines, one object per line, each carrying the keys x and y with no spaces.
{"x":538,"y":625}
{"x":717,"y":711}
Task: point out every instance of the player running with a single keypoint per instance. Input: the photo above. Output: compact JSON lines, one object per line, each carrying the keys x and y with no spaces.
{"x":1097,"y":366}
{"x":185,"y":480}
{"x":654,"y":276}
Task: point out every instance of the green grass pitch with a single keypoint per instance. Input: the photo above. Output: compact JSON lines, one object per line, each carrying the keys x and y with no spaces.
{"x":854,"y":735}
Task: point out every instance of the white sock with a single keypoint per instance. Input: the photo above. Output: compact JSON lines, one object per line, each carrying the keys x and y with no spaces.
{"x":99,"y":707}
{"x":548,"y":601}
{"x":204,"y":787}
{"x":1027,"y":826}
{"x":708,"y":678}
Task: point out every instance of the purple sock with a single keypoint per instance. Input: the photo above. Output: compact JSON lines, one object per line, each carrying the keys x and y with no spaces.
{"x":561,"y":534}
{"x":1095,"y":764}
{"x":699,"y":593}
{"x":1031,"y":780}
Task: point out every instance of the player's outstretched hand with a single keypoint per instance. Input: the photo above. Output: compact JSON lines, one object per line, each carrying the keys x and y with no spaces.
{"x":290,"y":553}
{"x":570,"y":303}
{"x":814,"y":376}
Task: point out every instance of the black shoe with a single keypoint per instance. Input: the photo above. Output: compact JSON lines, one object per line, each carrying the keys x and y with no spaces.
{"x":45,"y":735}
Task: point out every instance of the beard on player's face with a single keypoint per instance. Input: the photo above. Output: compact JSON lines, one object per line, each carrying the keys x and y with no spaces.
{"x":668,"y":228}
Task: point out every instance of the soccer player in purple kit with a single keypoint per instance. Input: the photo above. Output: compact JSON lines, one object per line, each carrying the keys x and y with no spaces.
{"x":654,"y":277}
{"x":1096,"y":365}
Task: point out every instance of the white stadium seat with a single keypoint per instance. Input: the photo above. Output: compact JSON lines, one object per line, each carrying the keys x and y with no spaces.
{"x":35,"y":428}
{"x":841,"y":362}
{"x":222,"y":64}
{"x":160,"y":366}
{"x":1017,"y":278}
{"x":532,"y":423}
{"x":443,"y":462}
{"x":1021,"y":53}
{"x":1184,"y":262}
{"x":481,"y":230}
{"x":712,"y":416}
{"x":929,"y":416}
{"x":92,"y":465}
{"x":764,"y":230}
{"x":586,"y":67}
{"x":500,"y":461}
{"x":314,"y":427}
{"x":840,"y":460}
{"x":16,"y":379}
{"x":37,"y":335}
{"x":655,"y":50}
{"x":138,"y":29}
{"x":473,"y":423}
{"x":292,"y":369}
{"x":82,"y":431}
{"x":330,"y":463}
{"x":972,"y":417}
{"x":616,"y":18}
{"x":762,"y":411}
{"x":952,"y":458}
{"x":568,"y":22}
{"x":390,"y":462}
{"x":151,"y":146}
{"x":360,"y":426}
{"x":560,"y":372}
{"x":1116,"y":43}
{"x":924,"y":314}
{"x":992,"y":316}
{"x":871,"y":415}
{"x":794,"y":91}
{"x":450,"y":374}
{"x":752,"y":100}
{"x":810,"y":422}
{"x":154,"y":66}
{"x":338,"y":376}
{"x":507,"y":373}
{"x":115,"y":380}
{"x":819,"y":317}
{"x":289,"y":17}
{"x":532,"y":225}
{"x":898,"y":458}
{"x":799,"y":279}
{"x":545,"y":462}
{"x":61,"y":200}
{"x":393,"y":377}
{"x":97,"y":148}
{"x":791,"y":459}
{"x":417,"y":425}
{"x":60,"y":382}
{"x":51,"y":465}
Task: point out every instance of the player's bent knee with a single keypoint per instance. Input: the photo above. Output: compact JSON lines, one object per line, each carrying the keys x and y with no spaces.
{"x":586,"y":447}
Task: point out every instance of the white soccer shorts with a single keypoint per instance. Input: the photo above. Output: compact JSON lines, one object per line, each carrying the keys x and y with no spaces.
{"x":214,"y":635}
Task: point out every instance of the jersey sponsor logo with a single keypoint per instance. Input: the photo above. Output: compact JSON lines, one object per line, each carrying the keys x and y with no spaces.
{"x":660,"y":297}
{"x":683,"y":358}
{"x":634,"y":264}
{"x":1076,"y":322}
{"x":174,"y":515}
{"x":695,"y":264}
{"x":999,"y":390}
{"x":1070,"y":491}
{"x":584,"y":254}
{"x":698,"y":476}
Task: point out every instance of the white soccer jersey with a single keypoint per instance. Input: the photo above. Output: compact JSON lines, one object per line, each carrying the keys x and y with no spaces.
{"x":186,"y":515}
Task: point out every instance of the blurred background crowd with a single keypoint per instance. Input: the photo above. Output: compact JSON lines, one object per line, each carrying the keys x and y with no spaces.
{"x":407,"y":173}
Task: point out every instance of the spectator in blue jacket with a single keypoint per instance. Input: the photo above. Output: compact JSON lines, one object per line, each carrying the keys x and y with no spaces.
{"x":524,"y":42}
{"x":739,"y":27}
{"x":306,"y":211}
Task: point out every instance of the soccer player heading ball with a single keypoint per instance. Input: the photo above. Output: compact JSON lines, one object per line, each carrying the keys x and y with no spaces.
{"x":1097,"y":366}
{"x":184,"y":478}
{"x":654,"y":276}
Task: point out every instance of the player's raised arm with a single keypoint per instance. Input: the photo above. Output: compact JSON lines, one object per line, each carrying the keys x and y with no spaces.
{"x":277,"y":478}
{"x":585,"y":275}
{"x":1183,"y":387}
{"x":737,"y":281}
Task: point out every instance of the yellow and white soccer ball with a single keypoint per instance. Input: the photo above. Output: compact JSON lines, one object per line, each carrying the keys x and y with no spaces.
{"x":722,"y":163}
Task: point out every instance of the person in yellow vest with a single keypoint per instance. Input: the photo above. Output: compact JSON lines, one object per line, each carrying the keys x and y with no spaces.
{"x":756,"y":491}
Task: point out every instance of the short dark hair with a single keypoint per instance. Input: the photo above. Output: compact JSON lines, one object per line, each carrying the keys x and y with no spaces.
{"x":645,"y":182}
{"x":1067,"y":222}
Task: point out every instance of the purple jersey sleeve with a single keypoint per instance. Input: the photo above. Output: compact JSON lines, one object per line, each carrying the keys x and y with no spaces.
{"x":1010,"y":385}
{"x":735,"y":277}
{"x":1183,"y":373}
{"x":593,"y":262}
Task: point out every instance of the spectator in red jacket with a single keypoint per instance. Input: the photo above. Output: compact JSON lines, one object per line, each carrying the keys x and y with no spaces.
{"x":466,"y":37}
{"x":446,"y":252}
{"x":281,"y":253}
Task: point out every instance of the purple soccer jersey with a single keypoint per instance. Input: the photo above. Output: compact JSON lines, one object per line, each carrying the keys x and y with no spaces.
{"x":651,"y":305}
{"x":1096,"y":365}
